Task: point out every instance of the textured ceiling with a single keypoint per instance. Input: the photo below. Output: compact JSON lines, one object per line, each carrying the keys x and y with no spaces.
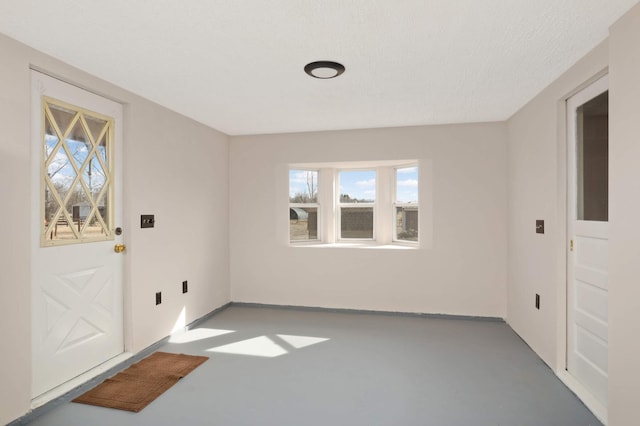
{"x":237,"y":65}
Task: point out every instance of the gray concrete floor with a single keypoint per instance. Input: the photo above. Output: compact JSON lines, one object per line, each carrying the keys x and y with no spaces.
{"x":370,"y":370}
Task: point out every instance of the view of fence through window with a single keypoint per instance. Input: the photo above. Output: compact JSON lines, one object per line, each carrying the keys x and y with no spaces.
{"x":355,"y":209}
{"x":356,"y":203}
{"x":406,"y":204}
{"x":303,"y":205}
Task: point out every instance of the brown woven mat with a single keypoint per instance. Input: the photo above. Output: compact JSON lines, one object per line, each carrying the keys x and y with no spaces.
{"x":134,"y":388}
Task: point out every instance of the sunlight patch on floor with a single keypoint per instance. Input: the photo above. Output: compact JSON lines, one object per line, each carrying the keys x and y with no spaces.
{"x":258,"y":346}
{"x":301,"y":341}
{"x":264,"y":346}
{"x":198,"y":334}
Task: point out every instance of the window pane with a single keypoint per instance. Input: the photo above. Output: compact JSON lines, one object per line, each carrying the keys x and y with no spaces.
{"x":76,"y":176}
{"x":356,"y":222}
{"x":407,"y":223}
{"x":357,"y":186}
{"x":593,"y":159}
{"x":407,"y":185}
{"x":303,"y":186}
{"x":303,"y":223}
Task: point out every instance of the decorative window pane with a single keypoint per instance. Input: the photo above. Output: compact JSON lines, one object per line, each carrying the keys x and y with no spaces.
{"x":76,"y":175}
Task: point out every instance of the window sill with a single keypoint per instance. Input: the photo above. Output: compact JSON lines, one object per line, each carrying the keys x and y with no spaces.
{"x":358,"y":245}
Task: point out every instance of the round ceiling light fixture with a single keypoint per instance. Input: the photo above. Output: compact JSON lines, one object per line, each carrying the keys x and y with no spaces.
{"x":324,"y":69}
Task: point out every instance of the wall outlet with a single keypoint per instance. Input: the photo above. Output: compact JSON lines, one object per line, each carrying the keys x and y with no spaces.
{"x":184,"y":287}
{"x":537,"y":301}
{"x":158,"y":298}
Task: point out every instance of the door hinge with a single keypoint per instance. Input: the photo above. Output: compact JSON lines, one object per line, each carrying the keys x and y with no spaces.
{"x":571,"y":245}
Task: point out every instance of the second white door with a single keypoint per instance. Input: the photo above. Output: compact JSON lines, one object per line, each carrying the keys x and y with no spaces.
{"x":588,"y":248}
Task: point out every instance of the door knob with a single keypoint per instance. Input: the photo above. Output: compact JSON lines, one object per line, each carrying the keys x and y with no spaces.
{"x":119,"y":248}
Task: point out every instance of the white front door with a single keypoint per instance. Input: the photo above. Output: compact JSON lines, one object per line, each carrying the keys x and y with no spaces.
{"x":588,"y":228}
{"x":76,"y":284}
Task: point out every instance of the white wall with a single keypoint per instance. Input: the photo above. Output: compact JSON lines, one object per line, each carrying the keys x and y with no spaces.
{"x":178,"y":170}
{"x":537,"y":158}
{"x":464,"y":270}
{"x":624,"y":214}
{"x":174,"y":168}
{"x":15,"y":319}
{"x":536,"y":177}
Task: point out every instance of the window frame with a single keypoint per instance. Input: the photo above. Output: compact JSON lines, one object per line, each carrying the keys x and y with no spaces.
{"x":49,"y":226}
{"x":315,"y":205}
{"x":384,"y":206}
{"x":340,"y":205}
{"x":395,"y":204}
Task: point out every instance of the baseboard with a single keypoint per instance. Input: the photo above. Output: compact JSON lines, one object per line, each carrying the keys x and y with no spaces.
{"x":196,"y":322}
{"x":367,"y":312}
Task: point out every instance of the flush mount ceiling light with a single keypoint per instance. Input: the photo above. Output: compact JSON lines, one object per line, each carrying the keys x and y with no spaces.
{"x":324,"y":69}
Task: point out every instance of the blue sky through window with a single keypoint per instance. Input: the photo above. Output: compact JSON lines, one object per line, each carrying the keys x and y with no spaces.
{"x":407,"y":185}
{"x":303,"y":181}
{"x":358,"y":184}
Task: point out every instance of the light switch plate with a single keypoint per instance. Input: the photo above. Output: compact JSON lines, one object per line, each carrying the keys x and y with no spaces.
{"x":147,"y":220}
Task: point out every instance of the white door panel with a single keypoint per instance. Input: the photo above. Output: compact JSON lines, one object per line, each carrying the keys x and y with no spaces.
{"x":592,"y":348}
{"x":592,"y":323}
{"x":77,"y":298}
{"x":591,"y":252}
{"x":595,"y":277}
{"x":590,"y":377}
{"x":591,"y":228}
{"x":591,"y":300}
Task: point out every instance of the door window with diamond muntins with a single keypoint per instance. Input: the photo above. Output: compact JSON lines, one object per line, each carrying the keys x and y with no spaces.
{"x":76,"y":175}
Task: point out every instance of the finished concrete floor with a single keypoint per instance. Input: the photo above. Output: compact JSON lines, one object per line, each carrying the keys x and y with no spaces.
{"x":285,"y":367}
